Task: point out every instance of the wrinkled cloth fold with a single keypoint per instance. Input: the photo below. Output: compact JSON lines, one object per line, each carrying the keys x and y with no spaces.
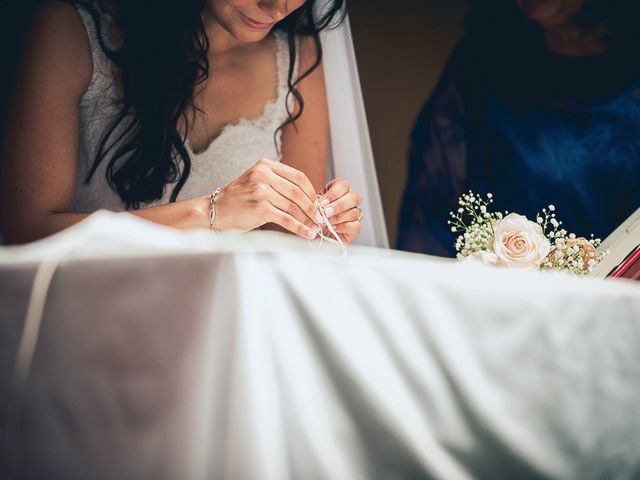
{"x":173,"y":355}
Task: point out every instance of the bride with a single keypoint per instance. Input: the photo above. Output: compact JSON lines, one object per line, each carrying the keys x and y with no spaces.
{"x":208,"y":113}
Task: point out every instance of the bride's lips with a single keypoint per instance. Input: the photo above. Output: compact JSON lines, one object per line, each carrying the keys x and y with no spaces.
{"x":257,"y":25}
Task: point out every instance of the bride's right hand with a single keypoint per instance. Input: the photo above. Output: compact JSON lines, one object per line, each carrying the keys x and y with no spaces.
{"x":269,"y":192}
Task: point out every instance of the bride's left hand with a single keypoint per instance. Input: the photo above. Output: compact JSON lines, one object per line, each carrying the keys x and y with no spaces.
{"x":342,"y":207}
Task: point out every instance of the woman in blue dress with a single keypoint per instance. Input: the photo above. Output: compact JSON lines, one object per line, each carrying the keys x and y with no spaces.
{"x":539,"y":104}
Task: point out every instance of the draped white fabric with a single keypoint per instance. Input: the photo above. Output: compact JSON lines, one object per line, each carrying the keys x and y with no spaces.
{"x":172,"y":355}
{"x":351,"y":153}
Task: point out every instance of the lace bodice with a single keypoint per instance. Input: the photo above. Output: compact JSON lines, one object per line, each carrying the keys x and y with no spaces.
{"x":234,"y":150}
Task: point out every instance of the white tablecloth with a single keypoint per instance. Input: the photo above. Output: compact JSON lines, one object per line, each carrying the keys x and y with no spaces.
{"x":171,"y":355}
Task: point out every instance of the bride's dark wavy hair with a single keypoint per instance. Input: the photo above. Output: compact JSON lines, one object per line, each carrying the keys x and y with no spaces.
{"x":162,"y":59}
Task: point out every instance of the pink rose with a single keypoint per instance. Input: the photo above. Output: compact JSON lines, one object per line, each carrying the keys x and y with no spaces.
{"x":520,"y":243}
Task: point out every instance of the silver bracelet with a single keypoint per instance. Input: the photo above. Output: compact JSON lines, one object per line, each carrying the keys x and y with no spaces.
{"x":212,"y":209}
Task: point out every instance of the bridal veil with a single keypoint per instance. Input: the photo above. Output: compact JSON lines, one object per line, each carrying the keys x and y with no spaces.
{"x":351,"y":153}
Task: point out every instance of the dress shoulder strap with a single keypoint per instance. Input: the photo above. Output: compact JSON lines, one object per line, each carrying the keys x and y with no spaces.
{"x":102,"y":78}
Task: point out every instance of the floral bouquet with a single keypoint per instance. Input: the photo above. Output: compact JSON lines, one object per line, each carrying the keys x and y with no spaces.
{"x":511,"y":240}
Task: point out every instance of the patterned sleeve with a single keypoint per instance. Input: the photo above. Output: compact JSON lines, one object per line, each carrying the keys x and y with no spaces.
{"x":437,"y":169}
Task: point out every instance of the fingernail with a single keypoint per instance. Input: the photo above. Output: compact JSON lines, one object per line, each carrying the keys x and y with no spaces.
{"x":324,"y":202}
{"x":319,"y":218}
{"x":329,"y":211}
{"x":313,"y":232}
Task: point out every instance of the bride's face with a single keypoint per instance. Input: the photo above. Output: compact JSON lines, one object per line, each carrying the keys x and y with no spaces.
{"x":551,"y":13}
{"x":251,"y":20}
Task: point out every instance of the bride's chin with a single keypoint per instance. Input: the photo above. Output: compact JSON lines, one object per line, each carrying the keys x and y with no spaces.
{"x":247,"y":35}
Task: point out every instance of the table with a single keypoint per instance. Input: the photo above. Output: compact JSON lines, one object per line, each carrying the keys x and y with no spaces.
{"x":182,"y":355}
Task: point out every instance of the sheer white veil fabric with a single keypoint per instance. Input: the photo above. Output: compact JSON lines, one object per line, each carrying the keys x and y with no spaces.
{"x":351,"y":152}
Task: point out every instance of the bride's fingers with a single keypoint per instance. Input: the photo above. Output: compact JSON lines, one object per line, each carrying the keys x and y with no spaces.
{"x":335,"y":189}
{"x":285,"y":204}
{"x":287,"y":221}
{"x":343,"y":204}
{"x":350,"y":215}
{"x":347,"y":231}
{"x":299,"y":203}
{"x":348,"y":228}
{"x":294,"y":176}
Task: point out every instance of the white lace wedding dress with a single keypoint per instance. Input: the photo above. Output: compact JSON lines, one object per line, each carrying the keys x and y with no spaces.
{"x":237,"y":148}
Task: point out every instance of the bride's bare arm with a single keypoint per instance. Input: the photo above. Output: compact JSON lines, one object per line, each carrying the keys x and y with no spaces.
{"x":41,"y":143}
{"x":305,"y":145}
{"x":41,"y":149}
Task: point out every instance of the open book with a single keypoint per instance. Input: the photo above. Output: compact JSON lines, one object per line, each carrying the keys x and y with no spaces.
{"x":623,"y":260}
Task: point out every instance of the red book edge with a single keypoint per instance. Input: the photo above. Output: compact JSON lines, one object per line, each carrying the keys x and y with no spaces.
{"x":633,"y":273}
{"x":625,"y":269}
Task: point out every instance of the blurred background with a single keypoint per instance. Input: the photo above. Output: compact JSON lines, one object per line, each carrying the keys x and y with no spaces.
{"x":401,"y":48}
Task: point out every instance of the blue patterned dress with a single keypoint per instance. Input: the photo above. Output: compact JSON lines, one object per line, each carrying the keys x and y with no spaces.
{"x":538,"y":130}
